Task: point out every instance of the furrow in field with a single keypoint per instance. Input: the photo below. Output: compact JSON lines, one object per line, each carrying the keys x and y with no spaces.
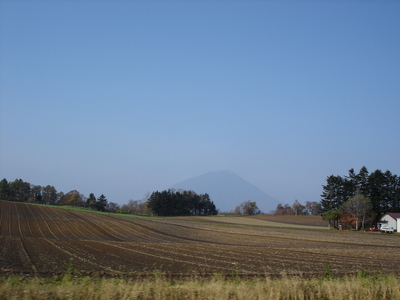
{"x":13,"y":258}
{"x":58,"y":233}
{"x":172,"y":233}
{"x":42,"y":222}
{"x":96,"y":231}
{"x":34,"y":228}
{"x":69,"y":226}
{"x":258,"y":236}
{"x":204,"y":258}
{"x":207,"y":255}
{"x":5,"y":219}
{"x":174,"y":262}
{"x":27,"y":256}
{"x":14,"y":225}
{"x":26,"y":222}
{"x":149,"y":234}
{"x":38,"y":231}
{"x":23,"y":220}
{"x":244,"y":258}
{"x":128,"y":231}
{"x":113,"y":228}
{"x":18,"y":219}
{"x":91,"y":252}
{"x":80,"y":258}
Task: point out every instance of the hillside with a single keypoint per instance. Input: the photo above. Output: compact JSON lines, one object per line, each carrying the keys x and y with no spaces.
{"x":38,"y":240}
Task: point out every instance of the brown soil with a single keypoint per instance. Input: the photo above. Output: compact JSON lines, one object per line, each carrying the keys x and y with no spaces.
{"x":295,"y":220}
{"x":301,"y":220}
{"x":44,"y":241}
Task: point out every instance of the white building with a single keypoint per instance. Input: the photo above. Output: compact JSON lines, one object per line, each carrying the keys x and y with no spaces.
{"x":390,"y":220}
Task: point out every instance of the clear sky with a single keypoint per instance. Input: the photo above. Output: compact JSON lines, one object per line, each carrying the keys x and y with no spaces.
{"x":128,"y":97}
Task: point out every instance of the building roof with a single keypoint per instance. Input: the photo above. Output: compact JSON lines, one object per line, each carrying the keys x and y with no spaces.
{"x":394,"y":215}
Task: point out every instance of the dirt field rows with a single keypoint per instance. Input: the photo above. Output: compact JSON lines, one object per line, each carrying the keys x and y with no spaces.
{"x":304,"y":222}
{"x":39,"y":240}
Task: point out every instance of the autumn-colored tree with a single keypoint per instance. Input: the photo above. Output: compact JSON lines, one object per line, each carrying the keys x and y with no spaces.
{"x":347,"y":219}
{"x":135,"y":207}
{"x":73,"y":198}
{"x":359,"y":207}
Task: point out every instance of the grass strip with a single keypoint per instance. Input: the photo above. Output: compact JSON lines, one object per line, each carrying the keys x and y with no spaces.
{"x":360,"y":287}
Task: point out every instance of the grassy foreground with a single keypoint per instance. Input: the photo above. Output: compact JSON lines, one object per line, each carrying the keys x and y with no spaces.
{"x":356,"y":287}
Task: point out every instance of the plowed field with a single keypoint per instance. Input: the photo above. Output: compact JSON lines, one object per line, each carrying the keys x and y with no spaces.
{"x":41,"y":241}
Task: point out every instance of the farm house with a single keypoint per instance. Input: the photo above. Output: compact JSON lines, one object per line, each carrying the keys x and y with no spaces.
{"x":390,"y":220}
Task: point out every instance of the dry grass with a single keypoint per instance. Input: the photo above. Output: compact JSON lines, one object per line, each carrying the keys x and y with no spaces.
{"x":356,"y":287}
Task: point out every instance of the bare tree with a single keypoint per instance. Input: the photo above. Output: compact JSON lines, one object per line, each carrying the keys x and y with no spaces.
{"x":112,"y":207}
{"x":249,"y":208}
{"x":238,"y":210}
{"x":313,"y":208}
{"x":298,"y":208}
{"x":135,"y":207}
{"x":283,"y":210}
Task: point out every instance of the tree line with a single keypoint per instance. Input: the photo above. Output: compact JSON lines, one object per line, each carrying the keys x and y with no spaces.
{"x":180,"y":203}
{"x":310,"y":208}
{"x":165,"y":203}
{"x":359,"y":198}
{"x":21,"y":191}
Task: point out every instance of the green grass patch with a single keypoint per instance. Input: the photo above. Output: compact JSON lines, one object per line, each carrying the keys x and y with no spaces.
{"x":88,"y":210}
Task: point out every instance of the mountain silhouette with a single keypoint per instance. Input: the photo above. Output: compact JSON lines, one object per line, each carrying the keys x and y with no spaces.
{"x":228,"y":190}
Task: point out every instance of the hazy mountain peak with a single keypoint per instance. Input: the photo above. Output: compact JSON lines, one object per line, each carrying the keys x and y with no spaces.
{"x":228,"y":190}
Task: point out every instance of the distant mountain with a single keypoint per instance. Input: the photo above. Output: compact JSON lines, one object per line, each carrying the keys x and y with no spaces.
{"x":228,"y":190}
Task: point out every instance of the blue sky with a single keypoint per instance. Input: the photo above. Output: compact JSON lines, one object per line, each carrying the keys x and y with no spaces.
{"x":128,"y":97}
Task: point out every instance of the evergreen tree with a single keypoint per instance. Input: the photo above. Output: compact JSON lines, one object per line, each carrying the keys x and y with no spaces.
{"x":335,"y":193}
{"x":377,"y":192}
{"x":332,"y":216}
{"x":4,"y":190}
{"x":101,"y":203}
{"x":172,"y":203}
{"x":383,"y":189}
{"x":91,"y":202}
{"x":362,"y":181}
